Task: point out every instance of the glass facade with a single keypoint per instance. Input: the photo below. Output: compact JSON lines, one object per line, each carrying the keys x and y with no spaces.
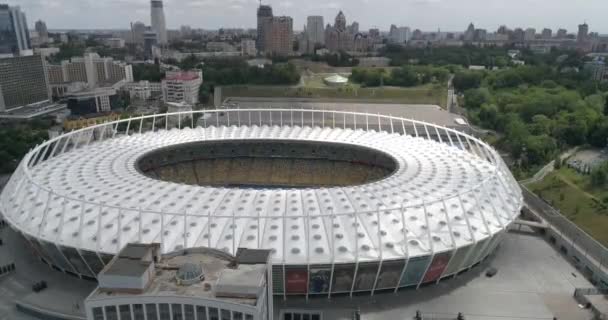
{"x":343,"y":278}
{"x":366,"y":276}
{"x":138,"y":312}
{"x":173,"y":311}
{"x":151,"y":312}
{"x":414,"y":271}
{"x":390,"y":271}
{"x":125,"y":312}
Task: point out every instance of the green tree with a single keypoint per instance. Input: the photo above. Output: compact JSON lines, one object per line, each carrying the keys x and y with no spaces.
{"x":465,"y":80}
{"x":474,"y":98}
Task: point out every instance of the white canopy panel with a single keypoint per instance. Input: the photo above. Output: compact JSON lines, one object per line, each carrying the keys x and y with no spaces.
{"x":440,"y":198}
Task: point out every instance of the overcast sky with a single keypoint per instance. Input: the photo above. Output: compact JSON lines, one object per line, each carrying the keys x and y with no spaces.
{"x":448,"y":15}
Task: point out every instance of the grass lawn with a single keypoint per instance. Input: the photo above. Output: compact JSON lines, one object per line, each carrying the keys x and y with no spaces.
{"x":427,"y":94}
{"x":574,"y":196}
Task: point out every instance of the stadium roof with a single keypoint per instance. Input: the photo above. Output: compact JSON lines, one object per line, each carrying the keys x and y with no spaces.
{"x":439,"y":199}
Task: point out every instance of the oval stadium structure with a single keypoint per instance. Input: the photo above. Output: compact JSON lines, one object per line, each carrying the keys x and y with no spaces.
{"x":347,"y":202}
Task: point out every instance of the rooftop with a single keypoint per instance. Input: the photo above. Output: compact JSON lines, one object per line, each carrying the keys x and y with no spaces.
{"x":222,"y":278}
{"x":183,"y":76}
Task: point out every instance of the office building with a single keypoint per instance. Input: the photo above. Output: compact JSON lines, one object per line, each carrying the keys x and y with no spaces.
{"x":315,"y":29}
{"x":14,"y":34}
{"x":199,"y":283}
{"x":43,"y":33}
{"x":561,"y":34}
{"x":158,"y":21}
{"x":182,"y":86}
{"x":547,"y":34}
{"x":264,"y":17}
{"x":22,"y":82}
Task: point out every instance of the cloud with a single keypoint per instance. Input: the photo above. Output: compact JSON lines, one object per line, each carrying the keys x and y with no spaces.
{"x":286,"y":4}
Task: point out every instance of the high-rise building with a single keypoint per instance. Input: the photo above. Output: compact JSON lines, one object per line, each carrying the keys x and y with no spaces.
{"x":22,"y":81}
{"x":583,"y":32}
{"x":264,"y":21}
{"x":469,"y":35}
{"x":518,"y":35}
{"x":547,"y":33}
{"x":279,"y":39}
{"x":338,"y":38}
{"x":137,"y":33}
{"x":150,"y":42}
{"x":158,"y":21}
{"x":43,"y":33}
{"x":561,"y":33}
{"x":399,"y":35}
{"x":14,"y":35}
{"x":529,"y":34}
{"x":315,"y":29}
{"x":354,"y":28}
{"x":91,"y":70}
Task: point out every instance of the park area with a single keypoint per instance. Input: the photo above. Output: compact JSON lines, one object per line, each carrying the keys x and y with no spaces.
{"x":577,"y":199}
{"x":425,"y":94}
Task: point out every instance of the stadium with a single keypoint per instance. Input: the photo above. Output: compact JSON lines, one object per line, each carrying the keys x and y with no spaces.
{"x":347,"y":202}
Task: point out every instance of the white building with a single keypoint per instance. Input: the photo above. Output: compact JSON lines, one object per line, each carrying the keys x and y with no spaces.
{"x":315,"y":29}
{"x":91,"y":69}
{"x":115,"y":43}
{"x":143,"y":90}
{"x":158,"y":21}
{"x":201,"y":283}
{"x":400,"y":35}
{"x":248,"y":48}
{"x":182,"y":86}
{"x":530,"y":34}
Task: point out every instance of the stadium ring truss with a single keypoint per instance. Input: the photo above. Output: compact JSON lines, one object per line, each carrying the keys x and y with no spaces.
{"x":80,"y":197}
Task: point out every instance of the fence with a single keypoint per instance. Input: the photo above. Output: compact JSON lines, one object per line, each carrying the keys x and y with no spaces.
{"x":589,"y":247}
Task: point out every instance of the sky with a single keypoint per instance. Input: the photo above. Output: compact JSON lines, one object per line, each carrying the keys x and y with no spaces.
{"x":428,"y":15}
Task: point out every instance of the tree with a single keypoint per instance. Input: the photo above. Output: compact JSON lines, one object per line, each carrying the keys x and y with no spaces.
{"x":598,"y":177}
{"x":474,"y":98}
{"x":466,"y":80}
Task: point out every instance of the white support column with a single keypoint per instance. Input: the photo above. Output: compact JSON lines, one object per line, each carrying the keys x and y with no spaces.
{"x":405,"y":248}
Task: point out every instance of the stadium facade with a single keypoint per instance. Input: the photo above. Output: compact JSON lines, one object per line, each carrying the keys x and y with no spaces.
{"x":346,"y":202}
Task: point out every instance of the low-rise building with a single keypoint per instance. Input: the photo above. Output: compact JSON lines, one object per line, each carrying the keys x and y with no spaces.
{"x":196,"y":283}
{"x":93,"y":101}
{"x":143,"y":90}
{"x":248,"y":48}
{"x":182,"y":86}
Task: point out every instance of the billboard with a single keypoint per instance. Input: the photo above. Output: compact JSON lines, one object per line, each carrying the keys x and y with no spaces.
{"x":296,"y":281}
{"x":319,"y":280}
{"x":439,"y":264}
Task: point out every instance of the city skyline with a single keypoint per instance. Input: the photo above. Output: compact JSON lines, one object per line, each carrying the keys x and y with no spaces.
{"x":116,"y":14}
